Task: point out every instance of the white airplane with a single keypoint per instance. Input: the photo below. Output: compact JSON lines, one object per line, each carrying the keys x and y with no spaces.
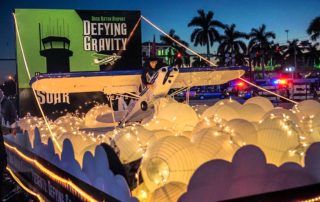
{"x":103,"y":59}
{"x":128,"y":82}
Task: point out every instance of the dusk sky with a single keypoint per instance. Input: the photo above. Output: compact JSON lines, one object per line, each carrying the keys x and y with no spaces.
{"x":278,"y":15}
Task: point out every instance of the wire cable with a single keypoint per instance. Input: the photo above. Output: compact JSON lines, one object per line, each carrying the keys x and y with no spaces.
{"x":211,"y":63}
{"x":23,"y":186}
{"x":34,"y":93}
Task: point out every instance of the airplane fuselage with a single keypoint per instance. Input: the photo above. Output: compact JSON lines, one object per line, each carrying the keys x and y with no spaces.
{"x":162,"y":81}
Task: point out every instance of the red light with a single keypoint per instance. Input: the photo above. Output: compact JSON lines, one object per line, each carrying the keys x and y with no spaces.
{"x":240,"y":84}
{"x":282,"y":81}
{"x":179,"y":55}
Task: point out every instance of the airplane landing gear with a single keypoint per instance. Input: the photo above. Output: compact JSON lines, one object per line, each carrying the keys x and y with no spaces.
{"x":144,"y":106}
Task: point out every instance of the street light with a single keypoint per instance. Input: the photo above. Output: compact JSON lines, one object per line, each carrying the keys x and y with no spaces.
{"x":287,"y":31}
{"x":291,"y":70}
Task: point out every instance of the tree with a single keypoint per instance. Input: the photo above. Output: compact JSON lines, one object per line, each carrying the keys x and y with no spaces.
{"x":173,"y":46}
{"x":205,"y":32}
{"x":292,"y":52}
{"x":275,"y":55}
{"x":198,"y":62}
{"x":260,"y":44}
{"x":313,"y":55}
{"x":231,"y":43}
{"x":314,"y":29}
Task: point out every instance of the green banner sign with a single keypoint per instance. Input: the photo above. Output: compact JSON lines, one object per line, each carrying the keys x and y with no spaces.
{"x":72,"y":41}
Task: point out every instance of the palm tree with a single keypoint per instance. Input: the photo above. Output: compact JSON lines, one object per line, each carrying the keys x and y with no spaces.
{"x":173,"y":46}
{"x":231,"y":43}
{"x":314,"y":28}
{"x":197,"y":62}
{"x":313,"y":55}
{"x":205,"y":32}
{"x":275,"y":55}
{"x":293,"y":51}
{"x":260,"y":43}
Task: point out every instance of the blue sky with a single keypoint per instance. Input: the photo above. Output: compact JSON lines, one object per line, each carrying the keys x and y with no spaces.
{"x":278,"y":15}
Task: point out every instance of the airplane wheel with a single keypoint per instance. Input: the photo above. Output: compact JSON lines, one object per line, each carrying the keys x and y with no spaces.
{"x":144,"y":106}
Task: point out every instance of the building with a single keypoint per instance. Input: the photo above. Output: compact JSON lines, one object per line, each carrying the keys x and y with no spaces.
{"x":161,"y":50}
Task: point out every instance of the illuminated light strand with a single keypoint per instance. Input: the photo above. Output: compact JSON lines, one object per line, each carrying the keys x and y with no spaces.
{"x":130,"y":36}
{"x":142,"y":193}
{"x":34,"y":93}
{"x":135,"y":133}
{"x":312,"y":199}
{"x":23,"y":186}
{"x":51,"y":174}
{"x":21,"y":48}
{"x":268,"y":91}
{"x":211,"y":63}
{"x":167,"y":35}
{"x":130,"y":95}
{"x":179,"y":90}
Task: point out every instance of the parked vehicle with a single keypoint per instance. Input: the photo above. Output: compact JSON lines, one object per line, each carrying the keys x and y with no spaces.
{"x":202,"y":92}
{"x":240,"y":89}
{"x":209,"y":94}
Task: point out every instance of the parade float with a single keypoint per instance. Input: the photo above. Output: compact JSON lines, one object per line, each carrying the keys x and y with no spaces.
{"x":76,"y":146}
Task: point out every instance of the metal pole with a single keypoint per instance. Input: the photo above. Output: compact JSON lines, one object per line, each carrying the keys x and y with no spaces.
{"x":188,"y":96}
{"x":112,"y":112}
{"x":287,"y":31}
{"x":306,"y":90}
{"x":295,"y":56}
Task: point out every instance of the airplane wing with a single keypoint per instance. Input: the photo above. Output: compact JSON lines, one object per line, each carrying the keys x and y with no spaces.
{"x":126,"y":81}
{"x":111,"y":82}
{"x":189,"y":77}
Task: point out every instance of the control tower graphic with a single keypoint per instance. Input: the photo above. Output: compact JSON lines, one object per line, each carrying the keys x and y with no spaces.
{"x":56,"y":49}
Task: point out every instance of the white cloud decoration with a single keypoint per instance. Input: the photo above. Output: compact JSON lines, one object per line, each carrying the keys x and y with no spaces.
{"x":231,"y":143}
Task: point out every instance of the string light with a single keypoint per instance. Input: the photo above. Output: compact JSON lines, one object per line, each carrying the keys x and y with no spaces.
{"x":182,"y":45}
{"x":312,"y":200}
{"x":130,"y":36}
{"x":223,"y":128}
{"x":51,"y":174}
{"x":211,"y":63}
{"x":23,"y":186}
{"x":34,"y":93}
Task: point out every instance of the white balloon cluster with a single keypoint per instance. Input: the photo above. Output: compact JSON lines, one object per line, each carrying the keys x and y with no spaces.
{"x":177,"y":140}
{"x":224,"y":128}
{"x":172,"y":115}
{"x":90,"y":120}
{"x":62,"y":128}
{"x":132,"y":141}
